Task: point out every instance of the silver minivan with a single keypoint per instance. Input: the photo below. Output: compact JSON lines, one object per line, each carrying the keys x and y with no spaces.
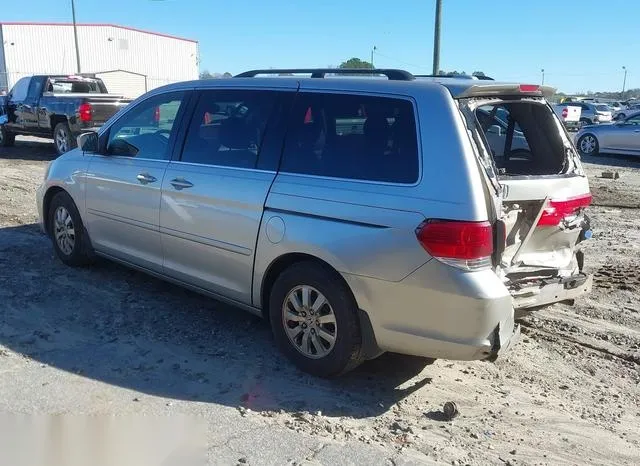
{"x":357,"y":215}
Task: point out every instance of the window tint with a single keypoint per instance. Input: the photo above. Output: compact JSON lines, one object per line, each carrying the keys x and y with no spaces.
{"x":144,"y":131}
{"x":228,"y":127}
{"x":352,"y":136}
{"x":35,"y":89}
{"x":19,"y":91}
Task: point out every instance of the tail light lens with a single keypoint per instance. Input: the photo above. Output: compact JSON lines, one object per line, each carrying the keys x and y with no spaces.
{"x":466,"y":245}
{"x":529,"y":88}
{"x":156,"y":115}
{"x":85,"y":111}
{"x":565,"y":112}
{"x":557,"y":210}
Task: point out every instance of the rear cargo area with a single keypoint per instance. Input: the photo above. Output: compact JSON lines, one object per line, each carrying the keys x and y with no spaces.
{"x":541,"y":195}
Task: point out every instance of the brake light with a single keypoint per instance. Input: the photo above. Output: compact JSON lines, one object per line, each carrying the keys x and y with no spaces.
{"x":156,"y":115}
{"x":565,"y":112}
{"x":85,"y":111}
{"x":557,"y":210}
{"x":466,"y":245}
{"x":529,"y":88}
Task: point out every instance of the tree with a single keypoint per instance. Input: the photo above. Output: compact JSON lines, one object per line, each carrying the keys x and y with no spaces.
{"x":227,"y":75}
{"x":204,"y":74}
{"x":356,"y":63}
{"x":478,"y":73}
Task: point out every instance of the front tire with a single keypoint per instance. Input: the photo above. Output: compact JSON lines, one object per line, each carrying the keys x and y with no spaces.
{"x":314,"y":319}
{"x":588,"y":145}
{"x":67,"y":231}
{"x":7,"y":139}
{"x":62,"y":138}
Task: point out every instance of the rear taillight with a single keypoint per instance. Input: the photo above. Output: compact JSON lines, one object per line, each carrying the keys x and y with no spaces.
{"x":156,"y":115}
{"x":85,"y":111}
{"x":466,"y":245}
{"x":565,"y":112}
{"x":529,"y":88}
{"x":557,"y":210}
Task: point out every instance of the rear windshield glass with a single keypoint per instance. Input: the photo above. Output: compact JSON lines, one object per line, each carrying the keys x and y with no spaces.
{"x":524,"y":138}
{"x":84,"y":86}
{"x":602,"y":108}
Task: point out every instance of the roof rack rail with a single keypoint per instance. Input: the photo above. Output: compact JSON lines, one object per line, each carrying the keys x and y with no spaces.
{"x":456,"y":76}
{"x":391,"y":74}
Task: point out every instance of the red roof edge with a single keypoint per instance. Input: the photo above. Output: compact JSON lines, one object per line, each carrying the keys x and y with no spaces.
{"x":18,"y":23}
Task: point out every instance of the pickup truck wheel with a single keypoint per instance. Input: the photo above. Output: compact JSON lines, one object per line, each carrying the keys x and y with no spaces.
{"x":6,"y":138}
{"x":314,"y":320}
{"x":62,"y":138}
{"x":67,"y":231}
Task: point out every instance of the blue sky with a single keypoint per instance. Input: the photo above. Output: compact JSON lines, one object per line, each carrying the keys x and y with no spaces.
{"x":581,"y":44}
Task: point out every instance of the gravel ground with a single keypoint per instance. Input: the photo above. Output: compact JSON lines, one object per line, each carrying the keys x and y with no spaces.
{"x":108,"y":340}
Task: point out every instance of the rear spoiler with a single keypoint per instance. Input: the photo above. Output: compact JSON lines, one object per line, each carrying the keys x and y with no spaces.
{"x":495,"y":89}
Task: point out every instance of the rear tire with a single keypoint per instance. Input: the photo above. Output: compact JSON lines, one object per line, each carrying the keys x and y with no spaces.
{"x":7,"y":139}
{"x":323,"y":340}
{"x":584,"y":122}
{"x":62,"y":138}
{"x":588,"y":145}
{"x":67,"y":231}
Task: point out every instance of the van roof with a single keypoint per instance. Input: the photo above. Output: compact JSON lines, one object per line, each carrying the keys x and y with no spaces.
{"x":373,"y":80}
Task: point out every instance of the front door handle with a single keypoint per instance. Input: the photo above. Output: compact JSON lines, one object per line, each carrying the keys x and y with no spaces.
{"x":145,"y":178}
{"x":180,"y":183}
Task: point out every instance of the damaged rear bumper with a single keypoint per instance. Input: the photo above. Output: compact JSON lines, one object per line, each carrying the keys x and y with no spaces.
{"x":544,"y":292}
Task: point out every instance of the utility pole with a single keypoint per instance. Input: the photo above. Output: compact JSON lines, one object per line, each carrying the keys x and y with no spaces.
{"x":542,"y":71}
{"x":436,"y":38}
{"x":75,"y":35}
{"x":373,"y":50}
{"x":624,"y":81}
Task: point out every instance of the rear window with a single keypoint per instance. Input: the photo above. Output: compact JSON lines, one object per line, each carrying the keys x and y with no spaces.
{"x":602,"y":108}
{"x":353,"y":137}
{"x":524,"y":138}
{"x":75,"y":86}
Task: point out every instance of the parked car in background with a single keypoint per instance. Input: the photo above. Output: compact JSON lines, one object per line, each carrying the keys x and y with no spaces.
{"x":592,"y":113}
{"x":569,"y":115}
{"x":631,"y":107}
{"x":615,"y":106}
{"x":58,"y":108}
{"x":324,"y":205}
{"x":622,"y":137}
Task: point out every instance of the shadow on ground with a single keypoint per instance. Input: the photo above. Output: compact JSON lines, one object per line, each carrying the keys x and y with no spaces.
{"x":122,"y":327}
{"x":35,"y":149}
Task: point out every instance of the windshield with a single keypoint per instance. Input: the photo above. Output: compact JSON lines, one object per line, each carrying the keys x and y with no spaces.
{"x":602,"y":108}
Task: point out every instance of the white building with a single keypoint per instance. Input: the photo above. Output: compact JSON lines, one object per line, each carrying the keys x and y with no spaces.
{"x":129,"y":60}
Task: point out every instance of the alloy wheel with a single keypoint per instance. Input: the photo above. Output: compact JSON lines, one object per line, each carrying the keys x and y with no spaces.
{"x":588,"y":144}
{"x":309,"y":322}
{"x":61,"y":141}
{"x":64,"y":232}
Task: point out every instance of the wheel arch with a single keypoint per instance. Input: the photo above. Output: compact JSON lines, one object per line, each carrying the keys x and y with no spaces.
{"x":280,"y":264}
{"x":55,"y":119}
{"x":370,"y":346}
{"x":46,"y":204}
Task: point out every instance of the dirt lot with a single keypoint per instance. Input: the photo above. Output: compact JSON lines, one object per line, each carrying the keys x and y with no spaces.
{"x":107,"y":340}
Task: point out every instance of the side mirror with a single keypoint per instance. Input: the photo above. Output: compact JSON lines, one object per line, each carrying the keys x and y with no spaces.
{"x":88,"y":142}
{"x":495,"y":129}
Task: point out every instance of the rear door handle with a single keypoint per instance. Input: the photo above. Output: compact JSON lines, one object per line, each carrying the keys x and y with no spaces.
{"x":180,"y":183}
{"x":145,"y":178}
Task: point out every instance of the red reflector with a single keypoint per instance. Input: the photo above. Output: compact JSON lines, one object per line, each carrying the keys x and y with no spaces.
{"x":553,"y":214}
{"x":529,"y":88}
{"x":156,"y":114}
{"x":456,"y":240}
{"x":85,"y":111}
